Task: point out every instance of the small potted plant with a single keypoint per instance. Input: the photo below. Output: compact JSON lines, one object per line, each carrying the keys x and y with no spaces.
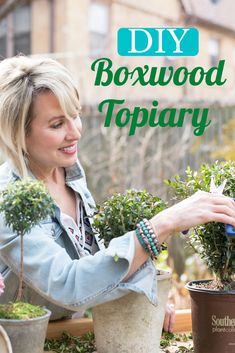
{"x":24,"y":203}
{"x":213,"y":301}
{"x":130,"y":323}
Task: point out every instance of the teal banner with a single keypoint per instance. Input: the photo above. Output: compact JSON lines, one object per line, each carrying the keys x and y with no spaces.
{"x":158,"y":41}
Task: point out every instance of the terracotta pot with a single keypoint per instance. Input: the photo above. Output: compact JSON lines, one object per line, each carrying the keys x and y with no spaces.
{"x":131,"y":323}
{"x":27,"y":336}
{"x":213,"y":319}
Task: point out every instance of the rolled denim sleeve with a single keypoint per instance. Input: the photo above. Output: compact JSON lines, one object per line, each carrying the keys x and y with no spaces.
{"x":144,"y":280}
{"x":76,"y":284}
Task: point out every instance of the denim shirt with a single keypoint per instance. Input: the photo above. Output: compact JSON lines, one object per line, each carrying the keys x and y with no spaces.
{"x":54,"y":275}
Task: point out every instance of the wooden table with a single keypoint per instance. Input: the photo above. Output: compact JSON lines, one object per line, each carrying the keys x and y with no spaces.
{"x":79,"y":327}
{"x":171,"y":349}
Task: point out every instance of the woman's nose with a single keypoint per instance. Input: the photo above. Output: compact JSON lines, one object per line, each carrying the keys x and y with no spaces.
{"x":73,"y":130}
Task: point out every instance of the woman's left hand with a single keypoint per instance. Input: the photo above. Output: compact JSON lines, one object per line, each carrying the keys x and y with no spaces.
{"x":169,"y":319}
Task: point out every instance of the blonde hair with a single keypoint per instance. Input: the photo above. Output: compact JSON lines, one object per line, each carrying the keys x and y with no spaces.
{"x":21,"y":80}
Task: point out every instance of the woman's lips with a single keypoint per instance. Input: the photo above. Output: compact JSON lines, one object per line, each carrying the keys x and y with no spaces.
{"x":70,"y":149}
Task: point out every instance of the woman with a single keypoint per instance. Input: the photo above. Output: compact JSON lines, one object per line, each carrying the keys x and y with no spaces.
{"x":66,"y":267}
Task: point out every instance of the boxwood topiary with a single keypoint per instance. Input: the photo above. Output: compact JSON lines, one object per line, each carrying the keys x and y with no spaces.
{"x":24,"y":204}
{"x":121,"y":212}
{"x":210,"y":240}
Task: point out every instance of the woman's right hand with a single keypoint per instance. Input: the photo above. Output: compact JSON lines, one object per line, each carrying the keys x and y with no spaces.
{"x":202,"y":207}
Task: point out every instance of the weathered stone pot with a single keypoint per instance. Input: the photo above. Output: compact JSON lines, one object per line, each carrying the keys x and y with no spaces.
{"x":213,"y":319}
{"x":5,"y":344}
{"x":131,"y":323}
{"x":27,"y":336}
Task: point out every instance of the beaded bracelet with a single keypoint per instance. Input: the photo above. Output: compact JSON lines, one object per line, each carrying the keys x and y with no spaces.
{"x":147,"y":238}
{"x":143,"y":240}
{"x":153,"y":235}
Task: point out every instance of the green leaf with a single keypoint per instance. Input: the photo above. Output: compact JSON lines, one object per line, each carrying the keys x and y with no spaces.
{"x":209,"y":240}
{"x":121,"y":212}
{"x":24,"y":204}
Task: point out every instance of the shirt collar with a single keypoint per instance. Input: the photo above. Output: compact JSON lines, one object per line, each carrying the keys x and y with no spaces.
{"x":71,"y":173}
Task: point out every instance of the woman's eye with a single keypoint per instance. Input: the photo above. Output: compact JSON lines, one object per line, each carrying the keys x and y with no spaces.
{"x":57,"y":125}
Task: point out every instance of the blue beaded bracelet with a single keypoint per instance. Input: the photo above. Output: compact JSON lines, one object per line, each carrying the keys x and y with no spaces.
{"x":147,"y":238}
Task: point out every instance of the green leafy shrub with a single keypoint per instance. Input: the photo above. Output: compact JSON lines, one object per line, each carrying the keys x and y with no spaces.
{"x":86,"y":343}
{"x":71,"y":344}
{"x":210,"y":240}
{"x":121,"y":213}
{"x":20,"y":311}
{"x":24,"y":204}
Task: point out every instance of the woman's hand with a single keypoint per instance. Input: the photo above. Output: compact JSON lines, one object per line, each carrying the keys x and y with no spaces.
{"x":169,"y":319}
{"x":202,"y":207}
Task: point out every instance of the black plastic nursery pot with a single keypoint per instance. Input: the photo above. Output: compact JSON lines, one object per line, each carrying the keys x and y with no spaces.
{"x":213,"y":319}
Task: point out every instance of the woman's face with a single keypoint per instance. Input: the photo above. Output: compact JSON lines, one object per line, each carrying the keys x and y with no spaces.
{"x":52,"y":139}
